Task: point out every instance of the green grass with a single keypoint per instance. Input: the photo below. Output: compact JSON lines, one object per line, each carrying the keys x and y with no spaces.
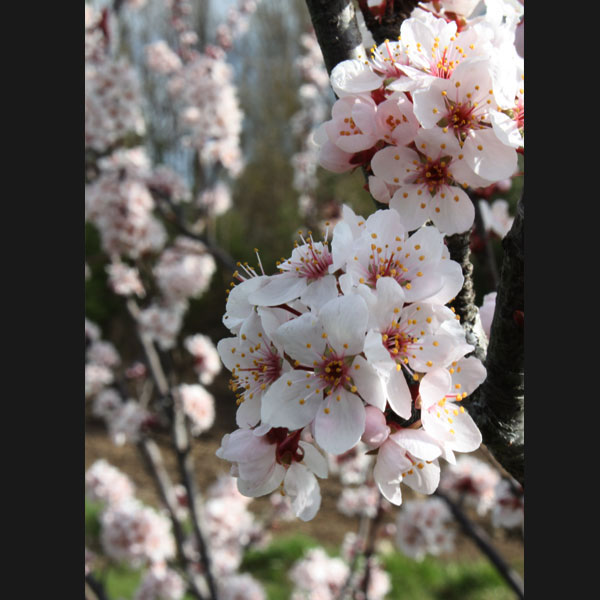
{"x":431,"y":579}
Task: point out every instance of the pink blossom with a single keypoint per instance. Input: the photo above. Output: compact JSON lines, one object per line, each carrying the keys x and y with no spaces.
{"x":125,"y":280}
{"x":161,"y":583}
{"x":472,"y":480}
{"x":161,"y":59}
{"x":241,"y":587}
{"x":199,"y":406}
{"x":105,"y":483}
{"x":206,"y":358}
{"x":509,"y":506}
{"x":125,"y":423}
{"x":422,"y":528}
{"x":184,"y":270}
{"x":103,"y":353}
{"x":136,"y":534}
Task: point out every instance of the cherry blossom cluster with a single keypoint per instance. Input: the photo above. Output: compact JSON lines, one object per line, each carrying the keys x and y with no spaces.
{"x":351,"y":341}
{"x":428,"y":115}
{"x":319,"y":576}
{"x":120,"y":205}
{"x":207,"y":363}
{"x":472,"y":481}
{"x":236,"y":23}
{"x":112,"y":91}
{"x":314,"y":95}
{"x":423,"y":527}
{"x":134,"y":533}
{"x":230,"y":527}
{"x":201,"y":85}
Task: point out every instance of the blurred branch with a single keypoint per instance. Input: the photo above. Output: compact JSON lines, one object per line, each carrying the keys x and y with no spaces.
{"x":370,"y":547}
{"x":336,"y":29}
{"x":181,"y":440}
{"x":484,"y":543}
{"x":177,"y":219}
{"x":95,"y":587}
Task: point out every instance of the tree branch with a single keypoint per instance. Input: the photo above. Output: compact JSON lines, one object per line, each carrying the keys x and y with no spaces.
{"x":464,"y":303}
{"x":484,"y":544}
{"x":498,"y":404}
{"x":388,"y":26}
{"x":337,"y":31}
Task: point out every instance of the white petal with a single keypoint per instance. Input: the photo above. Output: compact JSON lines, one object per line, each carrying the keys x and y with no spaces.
{"x":370,"y":385}
{"x":281,"y":406}
{"x":344,"y":319}
{"x":303,"y":489}
{"x":280,"y":288}
{"x":418,"y":442}
{"x":399,"y":396}
{"x":341,"y":428}
{"x":314,"y":460}
{"x":320,"y":292}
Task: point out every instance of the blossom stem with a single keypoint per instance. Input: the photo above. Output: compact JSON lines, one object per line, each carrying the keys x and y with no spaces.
{"x":483,"y":542}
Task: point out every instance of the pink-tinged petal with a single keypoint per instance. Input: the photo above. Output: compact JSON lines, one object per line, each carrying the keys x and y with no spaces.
{"x":303,"y":489}
{"x":391,"y":169}
{"x":242,"y":444}
{"x":340,"y":429}
{"x":258,"y":470}
{"x":280,"y":288}
{"x":314,"y":460}
{"x":354,"y":77}
{"x":333,"y":159}
{"x":453,"y":214}
{"x":344,"y":320}
{"x":398,"y":392}
{"x":424,"y":247}
{"x":469,"y":373}
{"x":488,"y":156}
{"x":356,"y":142}
{"x":411,"y":204}
{"x":302,"y":338}
{"x":453,"y":280}
{"x":391,"y":461}
{"x":288,"y":402}
{"x":368,"y":383}
{"x":418,"y":442}
{"x":379,"y":189}
{"x":376,"y":429}
{"x":248,"y":412}
{"x":319,"y":292}
{"x":363,"y":114}
{"x":396,"y":121}
{"x":434,"y":386}
{"x":261,"y":488}
{"x":424,"y":478}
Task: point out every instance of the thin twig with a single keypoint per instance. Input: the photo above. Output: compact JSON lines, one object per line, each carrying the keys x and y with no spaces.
{"x":485,"y":545}
{"x":181,"y":443}
{"x":370,"y":548}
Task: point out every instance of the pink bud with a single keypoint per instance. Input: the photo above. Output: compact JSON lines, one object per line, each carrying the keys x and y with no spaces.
{"x":376,"y":430}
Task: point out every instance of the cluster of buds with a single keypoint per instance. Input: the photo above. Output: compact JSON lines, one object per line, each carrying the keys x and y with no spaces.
{"x":351,"y":341}
{"x":432,"y":113}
